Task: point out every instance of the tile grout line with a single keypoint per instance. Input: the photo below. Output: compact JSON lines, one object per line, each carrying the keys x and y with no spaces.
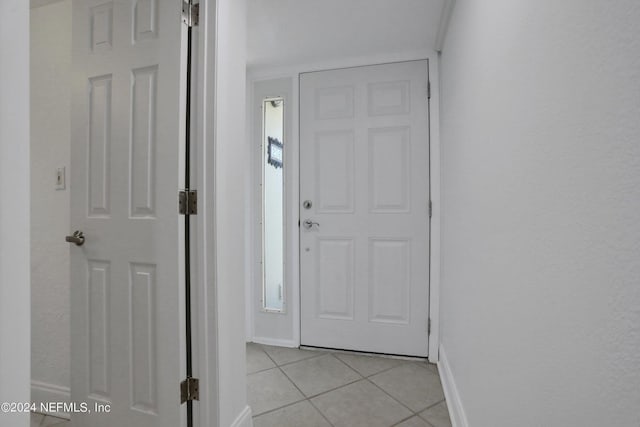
{"x":278,"y":408}
{"x":335,"y":355}
{"x":397,"y":400}
{"x":294,"y":361}
{"x":412,"y":416}
{"x":333,"y":389}
{"x":308,"y":399}
{"x":385,"y":392}
{"x":261,"y":370}
{"x":431,"y":406}
{"x":320,"y":412}
{"x":301,"y":360}
{"x":362,"y":377}
{"x":403,"y":362}
{"x":279,"y":367}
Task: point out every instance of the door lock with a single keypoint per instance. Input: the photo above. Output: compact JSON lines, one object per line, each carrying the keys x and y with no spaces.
{"x":307,"y":204}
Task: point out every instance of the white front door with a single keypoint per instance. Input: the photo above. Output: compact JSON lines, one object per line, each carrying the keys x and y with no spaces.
{"x":126,"y":320}
{"x":364,"y":239}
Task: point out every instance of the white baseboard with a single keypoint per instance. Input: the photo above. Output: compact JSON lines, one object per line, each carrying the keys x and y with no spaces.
{"x":275,"y":342}
{"x":454,"y":403}
{"x":244,"y":419}
{"x":42,"y":392}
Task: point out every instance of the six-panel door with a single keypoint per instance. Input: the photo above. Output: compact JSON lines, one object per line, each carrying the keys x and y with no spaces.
{"x":125,"y":313}
{"x":364,"y":164}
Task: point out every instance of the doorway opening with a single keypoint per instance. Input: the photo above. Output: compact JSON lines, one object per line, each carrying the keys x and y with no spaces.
{"x":276,"y":66}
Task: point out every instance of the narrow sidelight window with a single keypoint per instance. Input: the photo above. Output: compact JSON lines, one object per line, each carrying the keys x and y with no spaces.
{"x":273,"y":204}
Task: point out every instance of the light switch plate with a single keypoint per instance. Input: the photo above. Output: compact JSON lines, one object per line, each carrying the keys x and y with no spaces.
{"x":60,"y":178}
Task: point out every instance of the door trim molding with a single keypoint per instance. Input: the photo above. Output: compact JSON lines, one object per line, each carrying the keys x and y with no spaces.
{"x":436,"y":199}
{"x":219,"y":157}
{"x":204,"y":281}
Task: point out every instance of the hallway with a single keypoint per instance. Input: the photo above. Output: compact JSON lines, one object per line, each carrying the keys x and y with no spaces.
{"x":288,"y":387}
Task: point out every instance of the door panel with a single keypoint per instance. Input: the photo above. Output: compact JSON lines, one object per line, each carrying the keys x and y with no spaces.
{"x":126,"y":322}
{"x":364,"y":153}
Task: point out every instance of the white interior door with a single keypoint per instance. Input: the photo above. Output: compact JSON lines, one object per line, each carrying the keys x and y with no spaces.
{"x":126,"y":320}
{"x":364,"y":241}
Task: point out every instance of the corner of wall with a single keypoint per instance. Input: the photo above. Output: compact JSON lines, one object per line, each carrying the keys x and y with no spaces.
{"x":454,"y":402}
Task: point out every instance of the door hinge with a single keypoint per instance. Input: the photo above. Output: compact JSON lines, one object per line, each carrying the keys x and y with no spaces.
{"x":188,"y":202}
{"x":430,"y":209}
{"x":189,"y":390}
{"x":428,"y":89}
{"x":190,"y":13}
{"x":429,"y":327}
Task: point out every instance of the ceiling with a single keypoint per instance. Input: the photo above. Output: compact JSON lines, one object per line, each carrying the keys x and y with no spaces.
{"x":287,"y":32}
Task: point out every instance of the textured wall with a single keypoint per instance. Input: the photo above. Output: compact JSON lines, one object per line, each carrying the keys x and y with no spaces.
{"x":14,"y":208}
{"x":541,"y":230}
{"x":50,"y":114}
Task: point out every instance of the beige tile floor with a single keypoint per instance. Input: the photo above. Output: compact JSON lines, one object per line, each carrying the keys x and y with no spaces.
{"x":303,"y":388}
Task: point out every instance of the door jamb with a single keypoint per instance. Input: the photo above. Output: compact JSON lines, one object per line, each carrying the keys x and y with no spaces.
{"x":204,"y":287}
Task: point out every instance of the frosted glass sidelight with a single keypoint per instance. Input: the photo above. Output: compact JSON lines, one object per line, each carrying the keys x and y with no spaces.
{"x":273,"y":204}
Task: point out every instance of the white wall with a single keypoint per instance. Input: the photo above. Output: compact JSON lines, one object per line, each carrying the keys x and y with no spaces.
{"x":231,"y":157}
{"x":541,"y":188}
{"x":15,"y":311}
{"x":50,"y":121}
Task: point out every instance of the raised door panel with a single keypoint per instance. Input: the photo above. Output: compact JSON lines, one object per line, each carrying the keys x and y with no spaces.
{"x":143,"y":337}
{"x":99,"y":159}
{"x":335,"y":278}
{"x":334,"y":165}
{"x":145,"y":20}
{"x":99,"y":329}
{"x":389,"y":281}
{"x":101,"y":27}
{"x":334,"y":103}
{"x":389,"y":153}
{"x":389,"y":98}
{"x":143,"y":141}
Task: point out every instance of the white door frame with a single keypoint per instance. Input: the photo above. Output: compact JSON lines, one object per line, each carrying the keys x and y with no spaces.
{"x":219,"y":340}
{"x":275,"y":72}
